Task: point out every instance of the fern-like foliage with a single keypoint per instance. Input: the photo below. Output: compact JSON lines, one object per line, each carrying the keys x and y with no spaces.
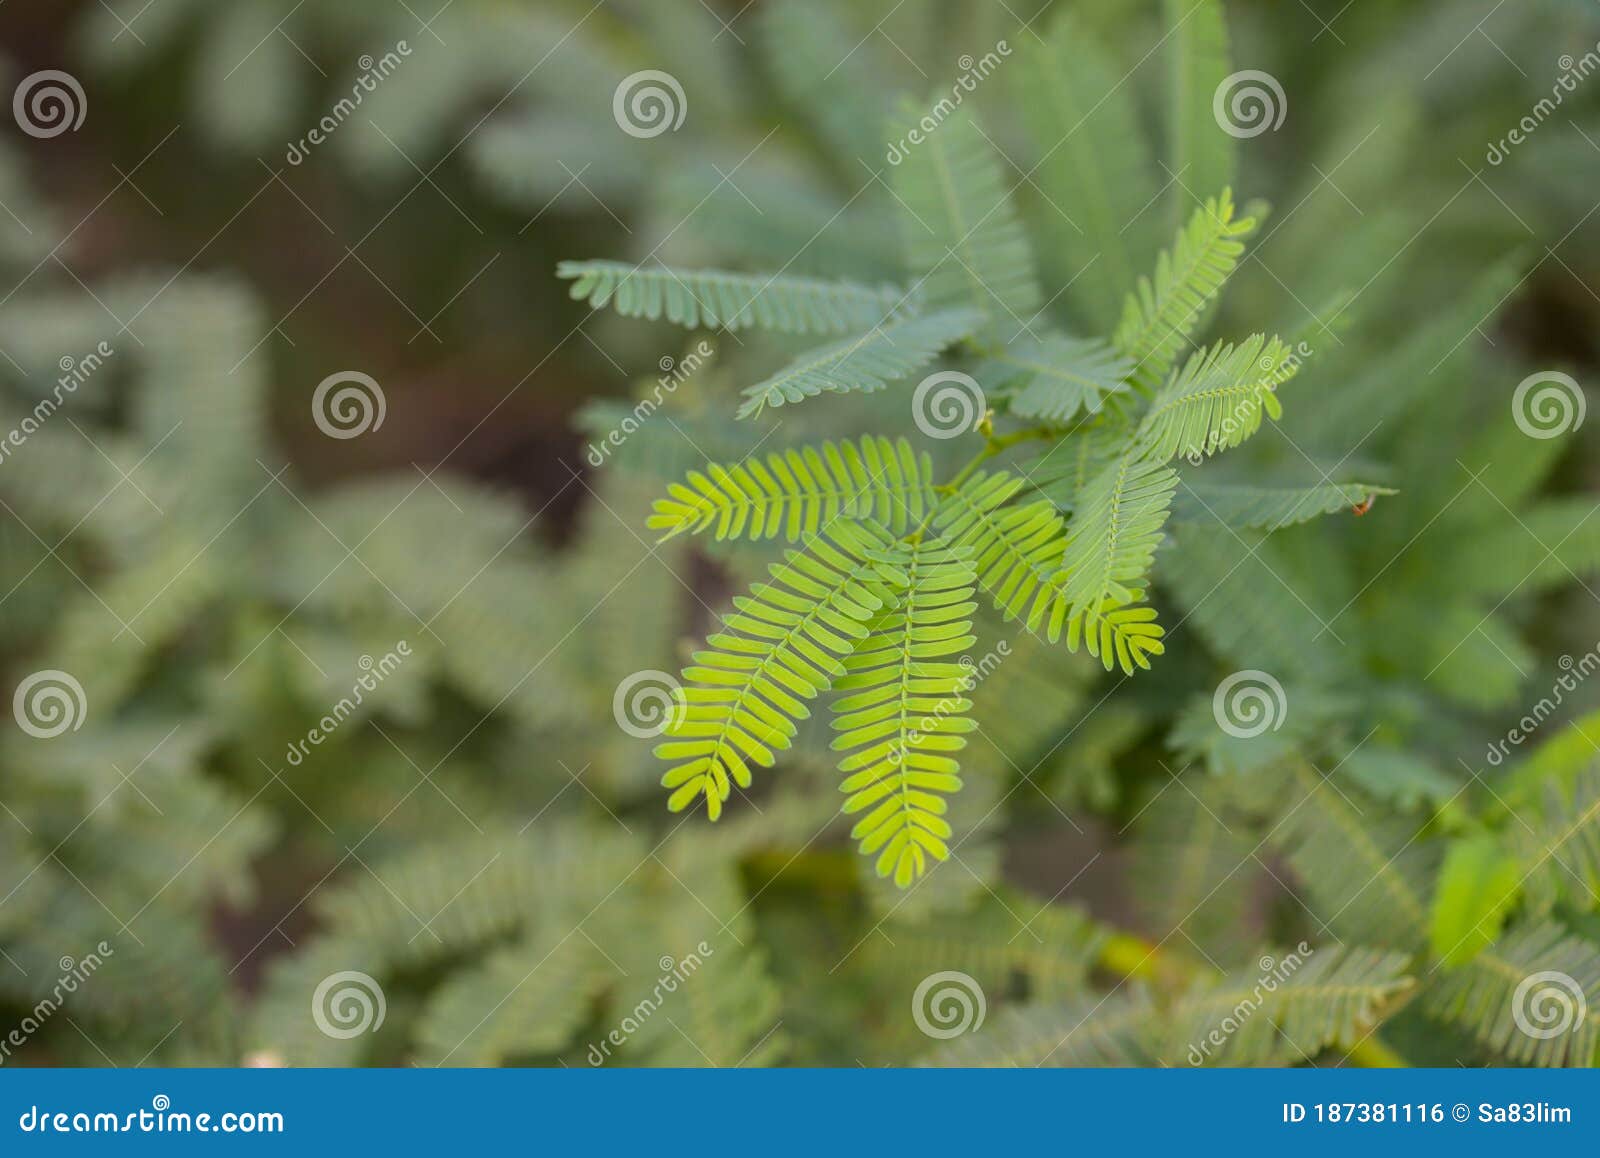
{"x":1478,"y":883}
{"x":1559,"y":845}
{"x":734,"y":301}
{"x":878,"y":603}
{"x":1247,"y":506}
{"x":1160,"y":318}
{"x":1017,"y":548}
{"x":1061,"y":473}
{"x":1082,"y":1030}
{"x":783,"y":644}
{"x":906,"y":710}
{"x":1052,"y":960}
{"x":798,"y":492}
{"x":522,"y":946}
{"x":1216,"y":401}
{"x":866,"y":362}
{"x":1225,"y":585}
{"x":1363,"y":877}
{"x":1056,"y":377}
{"x":1282,"y":1008}
{"x":1198,"y":64}
{"x":808,"y":55}
{"x":1116,"y":528}
{"x":962,"y":238}
{"x":545,"y":992}
{"x":1492,"y":998}
{"x":1189,"y":847}
{"x":1019,"y":551}
{"x":1288,"y":1008}
{"x":892,"y":557}
{"x":1092,"y":163}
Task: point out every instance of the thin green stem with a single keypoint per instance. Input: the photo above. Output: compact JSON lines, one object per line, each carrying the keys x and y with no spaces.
{"x":993,"y":446}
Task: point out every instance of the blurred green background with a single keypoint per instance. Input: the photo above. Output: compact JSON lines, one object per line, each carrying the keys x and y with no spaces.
{"x":480,"y":840}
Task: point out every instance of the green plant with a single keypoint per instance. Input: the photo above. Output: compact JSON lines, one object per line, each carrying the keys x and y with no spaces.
{"x":1128,"y":873}
{"x":1064,"y":543}
{"x":877,"y":600}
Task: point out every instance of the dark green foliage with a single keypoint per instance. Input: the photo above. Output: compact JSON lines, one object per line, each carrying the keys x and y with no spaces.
{"x":1207,"y":691}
